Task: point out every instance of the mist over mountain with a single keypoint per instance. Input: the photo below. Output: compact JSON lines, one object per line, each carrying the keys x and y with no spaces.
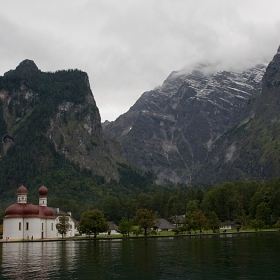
{"x":172,"y":129}
{"x":251,"y":150}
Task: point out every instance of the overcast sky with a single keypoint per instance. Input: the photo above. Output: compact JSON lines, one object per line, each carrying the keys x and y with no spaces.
{"x":128,"y":47}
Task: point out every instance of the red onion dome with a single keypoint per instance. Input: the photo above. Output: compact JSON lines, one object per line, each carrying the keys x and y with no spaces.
{"x":22,"y":190}
{"x":31,"y":210}
{"x":47,"y":212}
{"x":15,"y":209}
{"x":43,"y":191}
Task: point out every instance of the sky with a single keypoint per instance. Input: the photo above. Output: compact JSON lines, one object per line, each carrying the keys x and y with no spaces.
{"x":128,"y":47}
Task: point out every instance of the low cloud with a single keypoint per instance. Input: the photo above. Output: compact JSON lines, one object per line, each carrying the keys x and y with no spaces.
{"x":131,"y":46}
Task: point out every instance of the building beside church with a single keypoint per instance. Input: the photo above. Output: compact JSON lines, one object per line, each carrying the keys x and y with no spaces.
{"x":23,"y":221}
{"x":73,"y":224}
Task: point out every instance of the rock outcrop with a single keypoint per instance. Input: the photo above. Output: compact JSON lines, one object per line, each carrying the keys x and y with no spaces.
{"x":251,"y":150}
{"x":171,"y":129}
{"x":47,"y":113}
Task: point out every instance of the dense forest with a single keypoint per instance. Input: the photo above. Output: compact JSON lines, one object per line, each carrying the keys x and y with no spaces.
{"x":239,"y":201}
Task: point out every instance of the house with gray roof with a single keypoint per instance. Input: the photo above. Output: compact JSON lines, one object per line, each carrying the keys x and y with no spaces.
{"x":163,"y":225}
{"x":227,"y":225}
{"x":113,"y":229}
{"x":178,"y":220}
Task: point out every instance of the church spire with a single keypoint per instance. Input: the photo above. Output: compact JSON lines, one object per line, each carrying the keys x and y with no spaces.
{"x":43,"y":191}
{"x":22,"y":194}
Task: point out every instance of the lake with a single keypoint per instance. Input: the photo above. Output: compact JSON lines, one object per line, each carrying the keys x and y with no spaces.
{"x":231,"y":256}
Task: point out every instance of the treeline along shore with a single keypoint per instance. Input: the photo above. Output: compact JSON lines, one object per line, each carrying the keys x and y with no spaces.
{"x":250,"y":205}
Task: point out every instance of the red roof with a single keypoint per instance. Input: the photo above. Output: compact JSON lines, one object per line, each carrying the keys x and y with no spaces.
{"x":27,"y":210}
{"x":43,"y":191}
{"x":22,"y":190}
{"x":30,"y":210}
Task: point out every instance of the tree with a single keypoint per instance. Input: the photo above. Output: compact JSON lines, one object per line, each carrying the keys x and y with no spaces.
{"x":145,"y":218}
{"x":264,"y":213}
{"x":199,"y":220}
{"x":242,"y":219}
{"x":159,"y":202}
{"x":144,"y":201}
{"x":192,"y":205}
{"x":63,"y":225}
{"x":222,"y":200}
{"x":125,"y":226}
{"x":111,"y":209}
{"x":175,"y":206}
{"x":1,"y":230}
{"x":257,"y":224}
{"x":2,"y":214}
{"x":276,"y":225}
{"x":188,"y":222}
{"x":213,"y":221}
{"x":93,"y":222}
{"x":129,"y":207}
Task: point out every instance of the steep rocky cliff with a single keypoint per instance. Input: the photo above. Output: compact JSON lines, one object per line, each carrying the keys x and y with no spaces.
{"x":46,"y":117}
{"x":172,"y":128}
{"x":251,"y":150}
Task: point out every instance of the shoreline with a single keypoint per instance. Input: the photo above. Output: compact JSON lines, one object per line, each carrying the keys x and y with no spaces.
{"x":75,"y":239}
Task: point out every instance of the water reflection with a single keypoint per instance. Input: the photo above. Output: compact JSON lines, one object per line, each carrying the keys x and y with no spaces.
{"x":216,"y":257}
{"x":37,"y":260}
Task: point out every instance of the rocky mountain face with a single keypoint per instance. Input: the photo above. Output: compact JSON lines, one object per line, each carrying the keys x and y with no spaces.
{"x":46,"y":117}
{"x":251,"y":150}
{"x":172,"y":129}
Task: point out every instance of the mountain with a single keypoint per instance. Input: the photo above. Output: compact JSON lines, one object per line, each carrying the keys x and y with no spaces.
{"x":171,"y":129}
{"x":251,"y":150}
{"x":49,"y":120}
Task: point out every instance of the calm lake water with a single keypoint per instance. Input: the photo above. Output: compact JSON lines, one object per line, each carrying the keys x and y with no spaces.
{"x":246,"y":256}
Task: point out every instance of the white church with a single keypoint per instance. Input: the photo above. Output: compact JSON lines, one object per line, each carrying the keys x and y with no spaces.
{"x":25,"y":221}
